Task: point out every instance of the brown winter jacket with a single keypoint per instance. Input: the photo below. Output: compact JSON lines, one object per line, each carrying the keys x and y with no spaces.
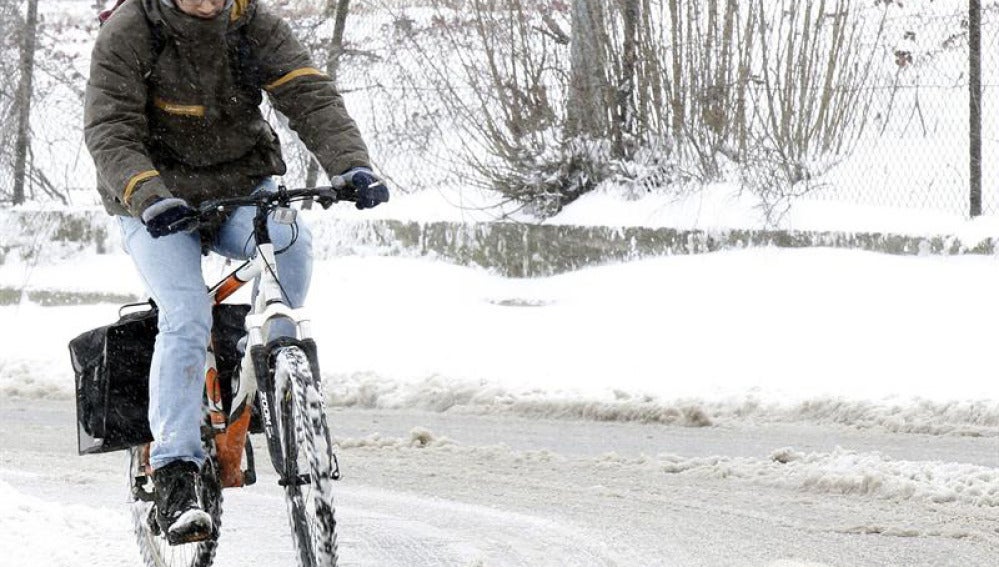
{"x":172,"y":104}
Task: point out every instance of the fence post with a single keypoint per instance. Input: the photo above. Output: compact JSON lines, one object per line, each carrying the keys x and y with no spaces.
{"x":975,"y":104}
{"x":23,"y":101}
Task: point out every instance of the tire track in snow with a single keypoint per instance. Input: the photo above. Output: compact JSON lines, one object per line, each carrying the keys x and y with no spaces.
{"x":398,"y":529}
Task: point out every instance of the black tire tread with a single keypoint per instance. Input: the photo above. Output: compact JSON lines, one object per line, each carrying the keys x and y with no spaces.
{"x":313,"y":433}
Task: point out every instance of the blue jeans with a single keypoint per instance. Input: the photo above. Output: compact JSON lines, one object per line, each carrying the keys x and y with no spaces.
{"x":170,"y":268}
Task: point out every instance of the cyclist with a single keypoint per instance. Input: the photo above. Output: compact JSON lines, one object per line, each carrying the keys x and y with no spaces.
{"x":172,"y":118}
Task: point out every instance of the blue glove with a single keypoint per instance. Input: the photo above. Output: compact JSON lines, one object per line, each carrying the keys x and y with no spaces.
{"x":371,"y":190}
{"x":169,"y":216}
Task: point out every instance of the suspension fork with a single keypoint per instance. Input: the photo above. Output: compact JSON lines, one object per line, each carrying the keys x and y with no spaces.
{"x":263,"y":357}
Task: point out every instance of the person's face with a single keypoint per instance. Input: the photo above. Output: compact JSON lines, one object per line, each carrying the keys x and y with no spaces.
{"x":205,"y":9}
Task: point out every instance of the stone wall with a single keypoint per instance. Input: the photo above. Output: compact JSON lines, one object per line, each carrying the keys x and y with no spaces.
{"x":510,"y":249}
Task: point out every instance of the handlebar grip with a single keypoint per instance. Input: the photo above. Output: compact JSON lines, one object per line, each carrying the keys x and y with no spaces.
{"x":378,"y":192}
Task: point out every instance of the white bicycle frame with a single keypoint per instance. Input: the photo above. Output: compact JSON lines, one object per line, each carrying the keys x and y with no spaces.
{"x":269,"y":304}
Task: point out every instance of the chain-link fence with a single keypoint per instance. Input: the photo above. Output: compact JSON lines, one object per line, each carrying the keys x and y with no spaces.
{"x":10,"y":26}
{"x":858,"y":102}
{"x":914,"y":151}
{"x":50,"y":162}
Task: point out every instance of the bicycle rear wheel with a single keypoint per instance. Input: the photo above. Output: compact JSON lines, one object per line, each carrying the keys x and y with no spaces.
{"x":308,"y":454}
{"x":154,"y":548}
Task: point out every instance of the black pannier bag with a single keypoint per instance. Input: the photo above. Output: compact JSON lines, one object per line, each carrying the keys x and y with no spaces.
{"x":112,"y":363}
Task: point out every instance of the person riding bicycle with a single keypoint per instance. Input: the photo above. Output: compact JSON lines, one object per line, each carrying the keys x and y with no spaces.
{"x":172,"y":119}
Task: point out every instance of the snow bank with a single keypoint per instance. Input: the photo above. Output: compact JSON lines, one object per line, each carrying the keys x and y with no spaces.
{"x":840,"y":472}
{"x":851,"y":473}
{"x":419,"y":438}
{"x":826,"y":336}
{"x":438,"y":393}
{"x":51,"y":379}
{"x":29,"y":527}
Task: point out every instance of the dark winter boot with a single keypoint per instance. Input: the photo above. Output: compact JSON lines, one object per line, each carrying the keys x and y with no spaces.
{"x":178,"y":514}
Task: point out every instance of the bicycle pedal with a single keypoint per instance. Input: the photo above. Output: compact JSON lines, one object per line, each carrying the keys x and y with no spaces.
{"x":300,"y":480}
{"x":189,"y":537}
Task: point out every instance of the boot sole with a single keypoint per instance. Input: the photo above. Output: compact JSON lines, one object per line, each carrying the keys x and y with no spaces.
{"x":193,"y":536}
{"x":198,"y":528}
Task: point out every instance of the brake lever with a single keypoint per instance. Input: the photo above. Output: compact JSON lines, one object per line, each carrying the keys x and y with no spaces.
{"x":327,"y":199}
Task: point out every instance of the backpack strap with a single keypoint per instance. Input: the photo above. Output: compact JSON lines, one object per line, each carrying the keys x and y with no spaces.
{"x":106,"y":14}
{"x":159,"y":41}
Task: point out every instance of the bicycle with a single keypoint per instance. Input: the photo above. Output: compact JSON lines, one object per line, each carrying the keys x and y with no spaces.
{"x":279,"y":382}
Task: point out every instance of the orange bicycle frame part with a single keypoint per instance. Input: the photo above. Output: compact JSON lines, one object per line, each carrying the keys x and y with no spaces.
{"x":230,"y":430}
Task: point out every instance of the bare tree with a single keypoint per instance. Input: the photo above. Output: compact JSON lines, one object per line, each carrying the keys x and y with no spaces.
{"x":23,"y":100}
{"x":587,"y":107}
{"x":646,"y":93}
{"x":625,"y":120}
{"x":336,"y":10}
{"x":10,"y":25}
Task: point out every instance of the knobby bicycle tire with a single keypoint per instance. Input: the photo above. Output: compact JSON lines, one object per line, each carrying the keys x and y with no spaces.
{"x":155,"y":550}
{"x":308,"y":452}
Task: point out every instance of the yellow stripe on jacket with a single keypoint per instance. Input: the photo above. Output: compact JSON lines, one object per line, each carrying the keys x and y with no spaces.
{"x":135,"y":181}
{"x":195,"y":110}
{"x":303,"y":72}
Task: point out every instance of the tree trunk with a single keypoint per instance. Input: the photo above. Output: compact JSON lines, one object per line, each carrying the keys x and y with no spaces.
{"x":626,"y":91}
{"x":587,"y":108}
{"x":23,"y":101}
{"x":676,"y":101}
{"x":336,"y":9}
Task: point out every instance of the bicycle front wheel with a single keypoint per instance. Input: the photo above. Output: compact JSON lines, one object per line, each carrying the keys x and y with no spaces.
{"x":308,"y":453}
{"x":155,"y":550}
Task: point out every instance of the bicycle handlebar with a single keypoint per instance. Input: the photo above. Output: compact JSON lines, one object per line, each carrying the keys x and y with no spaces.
{"x":326,"y":196}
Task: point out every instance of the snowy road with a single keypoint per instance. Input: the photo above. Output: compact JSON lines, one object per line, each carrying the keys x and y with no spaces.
{"x":460,"y":490}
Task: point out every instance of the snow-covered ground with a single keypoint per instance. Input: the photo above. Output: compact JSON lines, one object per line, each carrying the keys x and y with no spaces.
{"x":859,"y":383}
{"x":466,"y":490}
